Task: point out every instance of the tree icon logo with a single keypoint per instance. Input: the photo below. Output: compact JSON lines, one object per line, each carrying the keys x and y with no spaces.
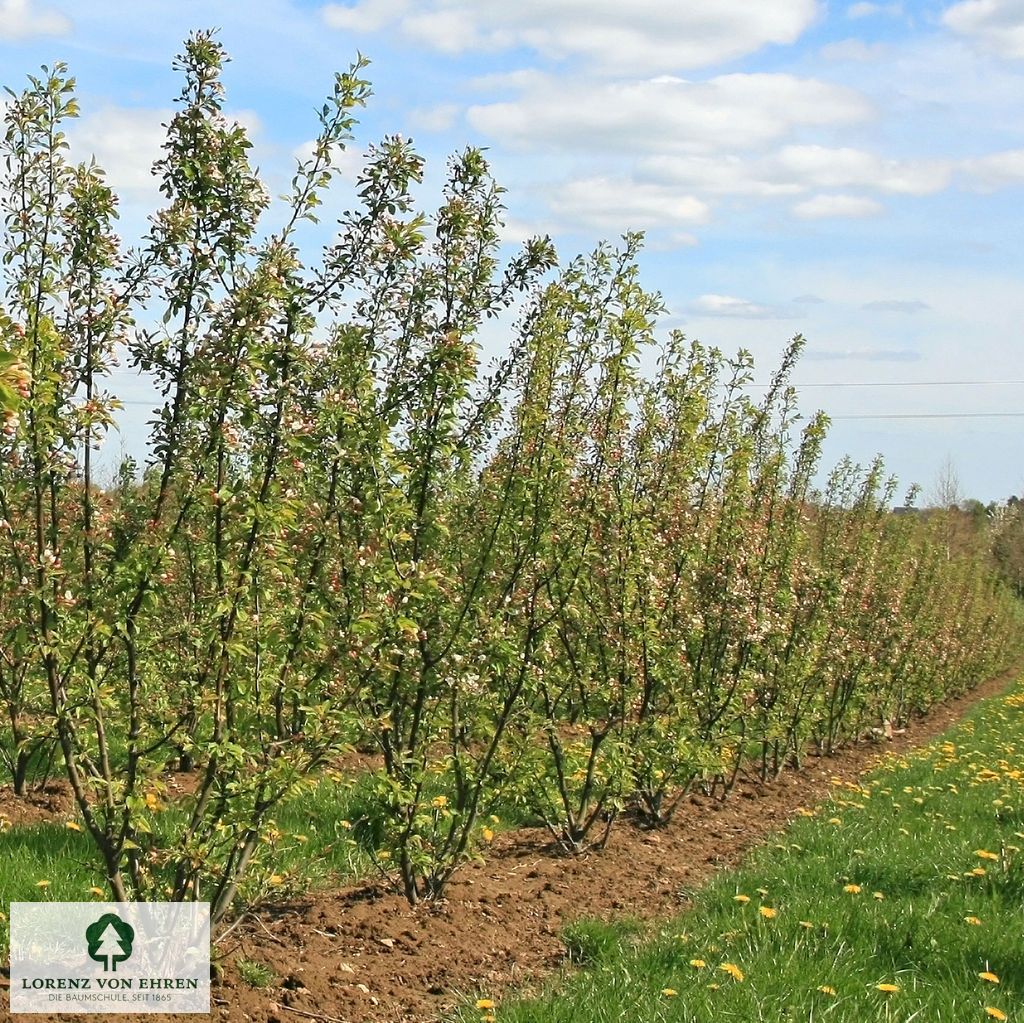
{"x":110,"y":941}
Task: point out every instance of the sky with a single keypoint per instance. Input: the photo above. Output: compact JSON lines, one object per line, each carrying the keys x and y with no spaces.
{"x":853,"y":172}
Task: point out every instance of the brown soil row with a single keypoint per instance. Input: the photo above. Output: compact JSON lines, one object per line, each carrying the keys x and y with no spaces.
{"x":363,"y":955}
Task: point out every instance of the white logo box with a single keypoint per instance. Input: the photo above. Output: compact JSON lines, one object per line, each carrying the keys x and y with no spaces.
{"x":124,"y":957}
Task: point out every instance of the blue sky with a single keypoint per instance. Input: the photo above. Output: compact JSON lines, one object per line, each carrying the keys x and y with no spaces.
{"x":850,"y":171}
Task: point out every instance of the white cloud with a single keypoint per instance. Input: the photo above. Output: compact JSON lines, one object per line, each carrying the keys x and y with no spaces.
{"x":617,"y":205}
{"x":366,"y":16}
{"x":868,"y":10}
{"x":719,"y":175}
{"x":895,"y":305}
{"x":795,"y":170}
{"x":995,"y":25}
{"x":441,"y":117}
{"x":729,"y":305}
{"x":20,"y":20}
{"x":667,"y":114}
{"x":348,"y":162}
{"x":996,"y":170}
{"x":125,"y":143}
{"x":861,"y":355}
{"x":822,"y":167}
{"x":856,"y":50}
{"x":837,"y":206}
{"x":643,"y":35}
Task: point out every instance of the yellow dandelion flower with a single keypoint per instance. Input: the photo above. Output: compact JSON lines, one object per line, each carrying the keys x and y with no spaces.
{"x":994,"y":1013}
{"x":767,"y":912}
{"x":979,"y":872}
{"x":485,"y":1003}
{"x":741,"y":898}
{"x":712,"y":987}
{"x":383,"y":854}
{"x":888,"y":989}
{"x":972,"y":920}
{"x":853,"y":889}
{"x":72,"y":826}
{"x":668,"y":992}
{"x":806,"y":924}
{"x":97,"y":891}
{"x":488,"y":834}
{"x":879,"y":896}
{"x":826,"y":990}
{"x":439,"y":801}
{"x":42,"y":884}
{"x":699,"y":963}
{"x":835,"y":820}
{"x":990,"y":977}
{"x":985,"y":854}
{"x":276,"y":879}
{"x":734,"y":971}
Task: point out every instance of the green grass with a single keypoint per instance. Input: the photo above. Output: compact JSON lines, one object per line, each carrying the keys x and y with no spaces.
{"x":911,"y":831}
{"x":313,"y":845}
{"x":254,"y":973}
{"x":913,"y":878}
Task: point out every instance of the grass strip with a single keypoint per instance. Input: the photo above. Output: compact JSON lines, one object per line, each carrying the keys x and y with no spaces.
{"x":901,"y":899}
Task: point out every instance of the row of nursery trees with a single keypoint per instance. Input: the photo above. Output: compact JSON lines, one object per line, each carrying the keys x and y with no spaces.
{"x":558,"y":580}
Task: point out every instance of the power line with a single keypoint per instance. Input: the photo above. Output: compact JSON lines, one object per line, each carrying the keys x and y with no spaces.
{"x":901,"y":383}
{"x":931,"y":415}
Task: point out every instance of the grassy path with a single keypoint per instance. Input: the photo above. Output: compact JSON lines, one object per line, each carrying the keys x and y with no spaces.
{"x":901,"y":899}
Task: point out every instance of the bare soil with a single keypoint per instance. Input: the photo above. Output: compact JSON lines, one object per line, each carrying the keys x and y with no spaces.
{"x":363,"y":955}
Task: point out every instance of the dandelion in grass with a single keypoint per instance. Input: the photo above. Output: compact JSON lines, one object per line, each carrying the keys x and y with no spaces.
{"x":835,"y":820}
{"x":485,"y":1003}
{"x":439,"y":802}
{"x":985,"y":854}
{"x":42,"y":884}
{"x":698,"y":963}
{"x":668,"y":992}
{"x":979,"y":872}
{"x":888,"y":989}
{"x":826,"y":990}
{"x":994,"y":1013}
{"x":712,"y":987}
{"x":806,"y":924}
{"x":972,"y":920}
{"x":990,"y":977}
{"x":72,"y":826}
{"x":734,"y":971}
{"x":879,"y":896}
{"x":767,"y":912}
{"x":741,"y":898}
{"x":853,"y":889}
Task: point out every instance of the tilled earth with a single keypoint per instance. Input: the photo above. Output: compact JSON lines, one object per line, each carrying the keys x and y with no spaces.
{"x":363,"y":955}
